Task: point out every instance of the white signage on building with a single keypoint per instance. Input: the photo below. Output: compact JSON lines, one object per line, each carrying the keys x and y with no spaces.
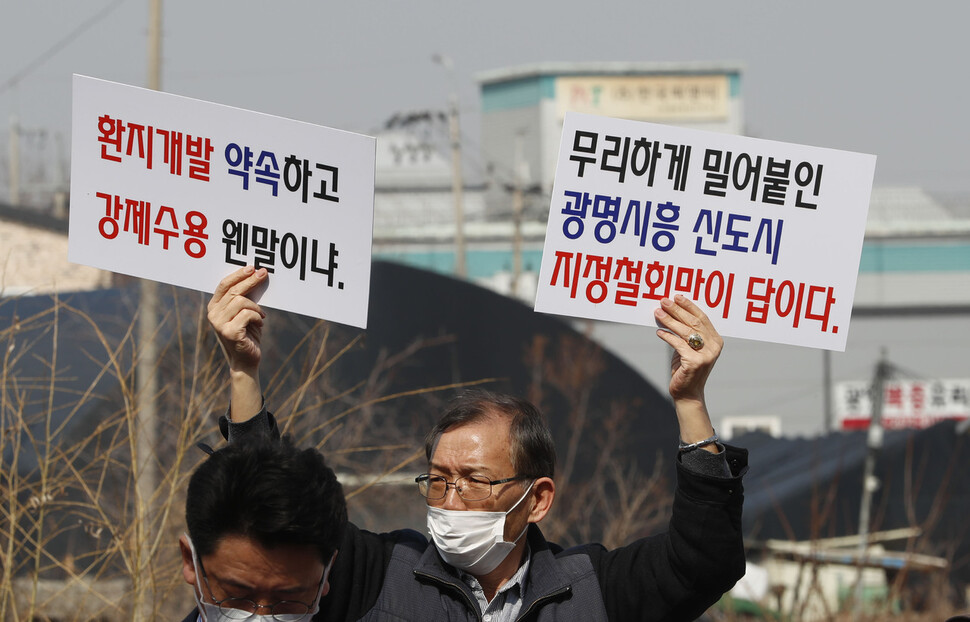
{"x":657,"y":98}
{"x":906,"y":403}
{"x":184,"y":191}
{"x":765,"y":236}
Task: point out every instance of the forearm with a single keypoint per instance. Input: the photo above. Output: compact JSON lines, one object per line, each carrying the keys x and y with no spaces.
{"x":695,"y":422}
{"x":238,"y":322}
{"x":704,"y":534}
{"x":695,"y":426}
{"x":246,"y":396}
{"x":685,"y":570}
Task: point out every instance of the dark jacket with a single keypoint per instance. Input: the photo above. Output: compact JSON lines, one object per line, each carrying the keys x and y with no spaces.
{"x":671,"y":576}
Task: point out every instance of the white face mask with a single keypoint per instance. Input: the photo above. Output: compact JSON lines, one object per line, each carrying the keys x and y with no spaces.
{"x":472,"y":541}
{"x":212,"y":613}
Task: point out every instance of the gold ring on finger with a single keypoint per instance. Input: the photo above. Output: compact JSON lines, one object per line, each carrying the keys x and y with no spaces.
{"x":695,"y":341}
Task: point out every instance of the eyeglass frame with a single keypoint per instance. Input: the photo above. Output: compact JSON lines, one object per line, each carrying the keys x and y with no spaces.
{"x":426,"y":477}
{"x":256,"y":606}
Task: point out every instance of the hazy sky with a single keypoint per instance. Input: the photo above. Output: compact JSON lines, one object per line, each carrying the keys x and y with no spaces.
{"x":886,"y":77}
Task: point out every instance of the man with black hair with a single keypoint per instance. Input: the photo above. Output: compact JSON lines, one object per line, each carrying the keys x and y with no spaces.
{"x":490,"y":481}
{"x":264,"y":522}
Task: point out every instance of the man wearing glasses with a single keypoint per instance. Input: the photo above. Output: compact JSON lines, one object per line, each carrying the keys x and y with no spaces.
{"x":490,"y":482}
{"x":264,"y":522}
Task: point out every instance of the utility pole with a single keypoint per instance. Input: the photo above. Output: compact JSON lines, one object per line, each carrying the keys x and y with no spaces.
{"x":146,"y":369}
{"x":14,"y":160}
{"x":155,"y":45}
{"x":516,"y":238}
{"x":827,"y":389}
{"x":457,"y":183}
{"x":519,"y":173}
{"x":456,"y":188}
{"x":61,"y":179}
{"x":869,"y":481}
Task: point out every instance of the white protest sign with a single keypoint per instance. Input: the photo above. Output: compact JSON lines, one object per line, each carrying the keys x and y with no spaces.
{"x":184,"y":191}
{"x":764,"y":236}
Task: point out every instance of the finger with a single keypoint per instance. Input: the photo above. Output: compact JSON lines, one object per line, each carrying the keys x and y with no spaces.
{"x":686,"y":318}
{"x":686,"y":304}
{"x":680,"y":345}
{"x":241,"y":324}
{"x":684,"y":311}
{"x":248,"y":284}
{"x":675,"y":341}
{"x":676,"y":333}
{"x":235,"y":304}
{"x":239,"y":283}
{"x":231,"y":280}
{"x":233,"y":315}
{"x":665,"y":318}
{"x":702,"y":321}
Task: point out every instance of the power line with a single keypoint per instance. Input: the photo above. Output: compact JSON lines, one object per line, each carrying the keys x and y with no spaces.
{"x":57,"y":47}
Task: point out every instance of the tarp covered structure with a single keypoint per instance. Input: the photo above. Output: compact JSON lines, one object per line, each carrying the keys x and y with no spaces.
{"x":806,"y":489}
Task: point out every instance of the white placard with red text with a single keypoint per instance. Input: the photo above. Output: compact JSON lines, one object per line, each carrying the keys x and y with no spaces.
{"x":905,"y":403}
{"x":184,"y":191}
{"x":765,"y":236}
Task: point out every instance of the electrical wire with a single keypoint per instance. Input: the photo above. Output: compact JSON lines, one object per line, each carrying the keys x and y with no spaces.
{"x":57,"y":47}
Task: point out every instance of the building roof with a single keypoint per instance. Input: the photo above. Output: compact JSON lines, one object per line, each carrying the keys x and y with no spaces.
{"x":619,"y":68}
{"x":407,"y":160}
{"x":32,"y":218}
{"x":909,"y":211}
{"x":33,"y":255}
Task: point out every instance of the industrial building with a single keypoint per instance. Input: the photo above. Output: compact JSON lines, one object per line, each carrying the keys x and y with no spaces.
{"x":913,"y":291}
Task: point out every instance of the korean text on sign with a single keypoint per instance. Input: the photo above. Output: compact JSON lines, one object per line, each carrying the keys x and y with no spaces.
{"x":640,"y":211}
{"x":183,"y":191}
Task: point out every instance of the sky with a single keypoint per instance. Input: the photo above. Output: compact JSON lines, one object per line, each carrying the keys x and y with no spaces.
{"x":887,"y":78}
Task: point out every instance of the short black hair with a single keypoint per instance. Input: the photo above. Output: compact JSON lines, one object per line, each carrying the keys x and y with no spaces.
{"x":531,"y":448}
{"x":267,"y":490}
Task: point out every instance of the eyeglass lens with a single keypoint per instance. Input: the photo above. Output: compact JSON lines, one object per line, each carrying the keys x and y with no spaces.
{"x":468,"y":488}
{"x":243,"y":608}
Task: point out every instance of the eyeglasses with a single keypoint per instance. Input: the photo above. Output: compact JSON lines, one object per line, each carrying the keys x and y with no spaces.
{"x":244,"y":608}
{"x":468,"y":488}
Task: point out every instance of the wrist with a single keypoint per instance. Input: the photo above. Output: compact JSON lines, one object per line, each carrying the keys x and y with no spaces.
{"x":246,"y":395}
{"x":690,"y":407}
{"x":694,"y":422}
{"x":243,"y":372}
{"x":713,"y":439}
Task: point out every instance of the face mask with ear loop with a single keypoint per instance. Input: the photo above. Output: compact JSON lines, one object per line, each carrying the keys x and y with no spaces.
{"x":210,"y":612}
{"x":472,"y":541}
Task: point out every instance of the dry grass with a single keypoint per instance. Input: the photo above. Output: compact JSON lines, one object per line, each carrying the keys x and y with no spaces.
{"x":92,"y":490}
{"x":81,"y":540}
{"x":77,"y":540}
